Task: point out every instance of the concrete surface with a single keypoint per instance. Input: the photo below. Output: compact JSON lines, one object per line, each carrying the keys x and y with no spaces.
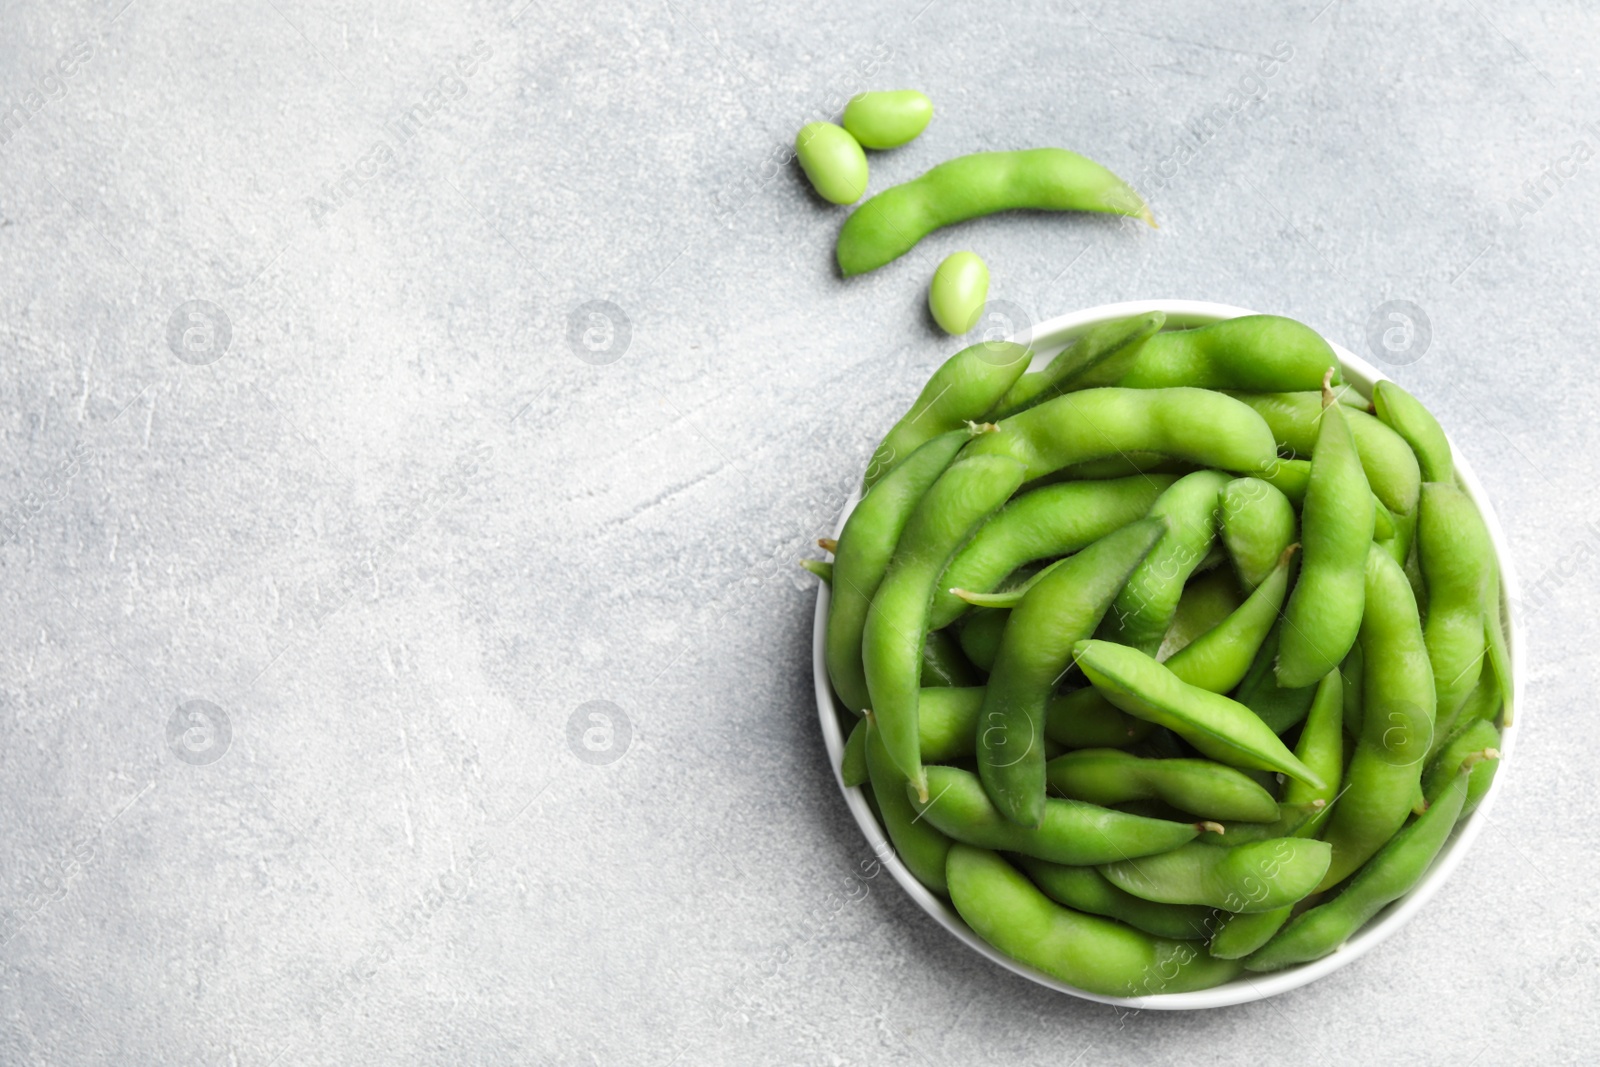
{"x":411,"y":417}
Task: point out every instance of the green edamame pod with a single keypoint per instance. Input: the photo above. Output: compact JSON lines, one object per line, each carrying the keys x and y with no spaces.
{"x":1499,"y":654}
{"x":1262,"y":876}
{"x":1053,"y":520}
{"x":963,"y":388}
{"x":1388,"y":876}
{"x":1323,"y":615}
{"x":966,"y":494}
{"x":1384,"y":775}
{"x":1227,"y":732}
{"x":821,"y":568}
{"x":1209,"y":790}
{"x":1086,"y":889}
{"x":1240,"y":933}
{"x":1478,"y":737}
{"x":1257,"y":523}
{"x":1389,"y":464}
{"x":1035,"y":649}
{"x":1069,"y":831}
{"x":944,"y":664}
{"x":1281,"y":709}
{"x":1483,"y":702}
{"x":1196,"y":425}
{"x":1144,"y":608}
{"x":920,"y":847}
{"x":1117,"y":339}
{"x":1126,"y":465}
{"x":1456,"y":557}
{"x":1209,"y":597}
{"x":853,"y":764}
{"x":833,"y":161}
{"x":890,"y":224}
{"x":1321,"y":747}
{"x":1290,"y":477}
{"x":1351,"y":671}
{"x":862,"y":555}
{"x":980,"y":635}
{"x":887,"y":119}
{"x":1260,"y":353}
{"x":1405,"y":414}
{"x":1218,"y":659}
{"x":959,"y":289}
{"x":1085,"y":719}
{"x":1094,"y":954}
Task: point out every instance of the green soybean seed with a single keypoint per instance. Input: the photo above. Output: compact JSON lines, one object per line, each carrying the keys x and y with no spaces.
{"x":920,"y":847}
{"x":1144,"y":608}
{"x":1256,"y":523}
{"x":1195,"y":425}
{"x":1257,"y":877}
{"x":890,"y":224}
{"x":1258,"y":353}
{"x":1199,"y":787}
{"x":1384,"y":777}
{"x":959,"y":393}
{"x":963,"y":498}
{"x":833,"y":161}
{"x":1405,"y":414}
{"x":1456,"y":557}
{"x":887,"y":119}
{"x":1227,"y":732}
{"x":1053,"y":520}
{"x":1323,"y":615}
{"x":1070,"y":831}
{"x":1035,"y":650}
{"x":1086,"y":889}
{"x":1118,"y":339}
{"x":862,"y":554}
{"x":1094,"y":954}
{"x":1389,"y":875}
{"x":958,"y":292}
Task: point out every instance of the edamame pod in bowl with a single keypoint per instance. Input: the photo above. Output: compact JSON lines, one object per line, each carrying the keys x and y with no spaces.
{"x":1194,"y":762}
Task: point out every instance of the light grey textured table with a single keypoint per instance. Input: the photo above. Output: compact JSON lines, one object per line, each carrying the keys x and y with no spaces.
{"x":383,"y":384}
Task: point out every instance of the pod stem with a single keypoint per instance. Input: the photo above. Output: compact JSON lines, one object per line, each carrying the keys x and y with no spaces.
{"x":828,"y":544}
{"x":978,"y":428}
{"x":1328,"y":396}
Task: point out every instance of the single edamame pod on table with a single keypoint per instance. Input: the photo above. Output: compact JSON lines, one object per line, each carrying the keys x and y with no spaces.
{"x":1070,"y":831}
{"x":1035,"y":649}
{"x":1227,"y":732}
{"x":920,"y":847}
{"x":1384,"y":776}
{"x":1256,"y":523}
{"x":1144,"y":608}
{"x":1455,"y":554}
{"x":891,"y":223}
{"x":1405,"y":414}
{"x":887,"y":119}
{"x":1323,"y":615}
{"x":1086,"y":889}
{"x":960,"y":392}
{"x":1116,"y":340}
{"x":1259,"y":353}
{"x":959,"y":289}
{"x":1389,"y":875}
{"x":1202,"y":788}
{"x":862,"y":554}
{"x":1053,"y":520}
{"x":833,"y":162}
{"x":963,"y":498}
{"x":1099,"y":955}
{"x":1262,"y":876}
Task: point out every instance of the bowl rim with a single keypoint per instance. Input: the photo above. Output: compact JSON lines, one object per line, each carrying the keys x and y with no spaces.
{"x":1049,"y":337}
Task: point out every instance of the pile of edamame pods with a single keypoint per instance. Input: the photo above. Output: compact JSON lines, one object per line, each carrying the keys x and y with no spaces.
{"x":1173,"y":658}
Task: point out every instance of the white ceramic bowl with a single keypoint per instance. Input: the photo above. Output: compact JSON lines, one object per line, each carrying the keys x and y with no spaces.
{"x":1047,"y":339}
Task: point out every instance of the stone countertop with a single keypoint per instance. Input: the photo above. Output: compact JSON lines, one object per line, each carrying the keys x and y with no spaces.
{"x":412,"y":417}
